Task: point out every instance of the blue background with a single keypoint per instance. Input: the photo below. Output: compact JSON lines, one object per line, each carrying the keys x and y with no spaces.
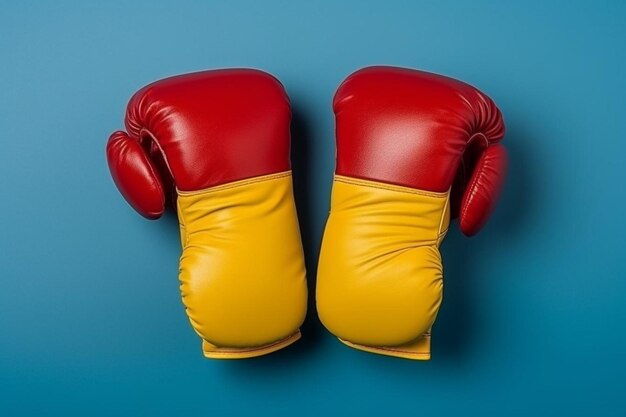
{"x":91,"y":321}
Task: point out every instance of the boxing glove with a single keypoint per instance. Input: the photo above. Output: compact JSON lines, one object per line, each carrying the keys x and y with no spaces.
{"x":222,"y":139}
{"x":407,"y":142}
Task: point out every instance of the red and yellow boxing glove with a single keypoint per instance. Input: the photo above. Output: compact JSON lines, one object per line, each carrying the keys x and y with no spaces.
{"x":404,"y":137}
{"x":222,"y":138}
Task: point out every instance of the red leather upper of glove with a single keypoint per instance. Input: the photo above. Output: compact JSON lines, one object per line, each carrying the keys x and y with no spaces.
{"x":214,"y":127}
{"x":409,"y":127}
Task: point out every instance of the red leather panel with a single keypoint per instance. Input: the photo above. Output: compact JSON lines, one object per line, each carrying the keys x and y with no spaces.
{"x":214,"y":127}
{"x":409,"y":127}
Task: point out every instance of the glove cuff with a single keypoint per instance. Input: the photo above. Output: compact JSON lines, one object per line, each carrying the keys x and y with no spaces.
{"x":419,"y":349}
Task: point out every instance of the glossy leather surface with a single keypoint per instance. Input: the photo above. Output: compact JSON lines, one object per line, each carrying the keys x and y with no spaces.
{"x":222,"y":139}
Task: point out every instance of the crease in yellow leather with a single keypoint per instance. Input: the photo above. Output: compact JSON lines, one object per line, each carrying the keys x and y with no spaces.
{"x":242,"y":269}
{"x":380,"y":277}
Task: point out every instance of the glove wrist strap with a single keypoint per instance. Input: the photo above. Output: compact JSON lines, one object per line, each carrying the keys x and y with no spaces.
{"x":215,"y":352}
{"x":419,"y":349}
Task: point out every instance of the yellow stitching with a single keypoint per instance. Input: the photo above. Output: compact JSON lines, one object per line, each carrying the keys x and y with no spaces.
{"x":234,"y":184}
{"x":185,"y":234}
{"x":443,"y":215}
{"x":389,"y":187}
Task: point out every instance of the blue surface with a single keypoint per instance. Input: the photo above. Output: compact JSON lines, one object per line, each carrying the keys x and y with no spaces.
{"x":91,"y":321}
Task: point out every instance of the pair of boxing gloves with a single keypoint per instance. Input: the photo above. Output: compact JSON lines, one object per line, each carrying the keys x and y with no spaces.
{"x":413,"y":150}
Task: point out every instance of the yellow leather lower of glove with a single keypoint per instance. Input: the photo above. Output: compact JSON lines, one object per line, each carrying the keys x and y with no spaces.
{"x":242,"y":268}
{"x":380,"y":276}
